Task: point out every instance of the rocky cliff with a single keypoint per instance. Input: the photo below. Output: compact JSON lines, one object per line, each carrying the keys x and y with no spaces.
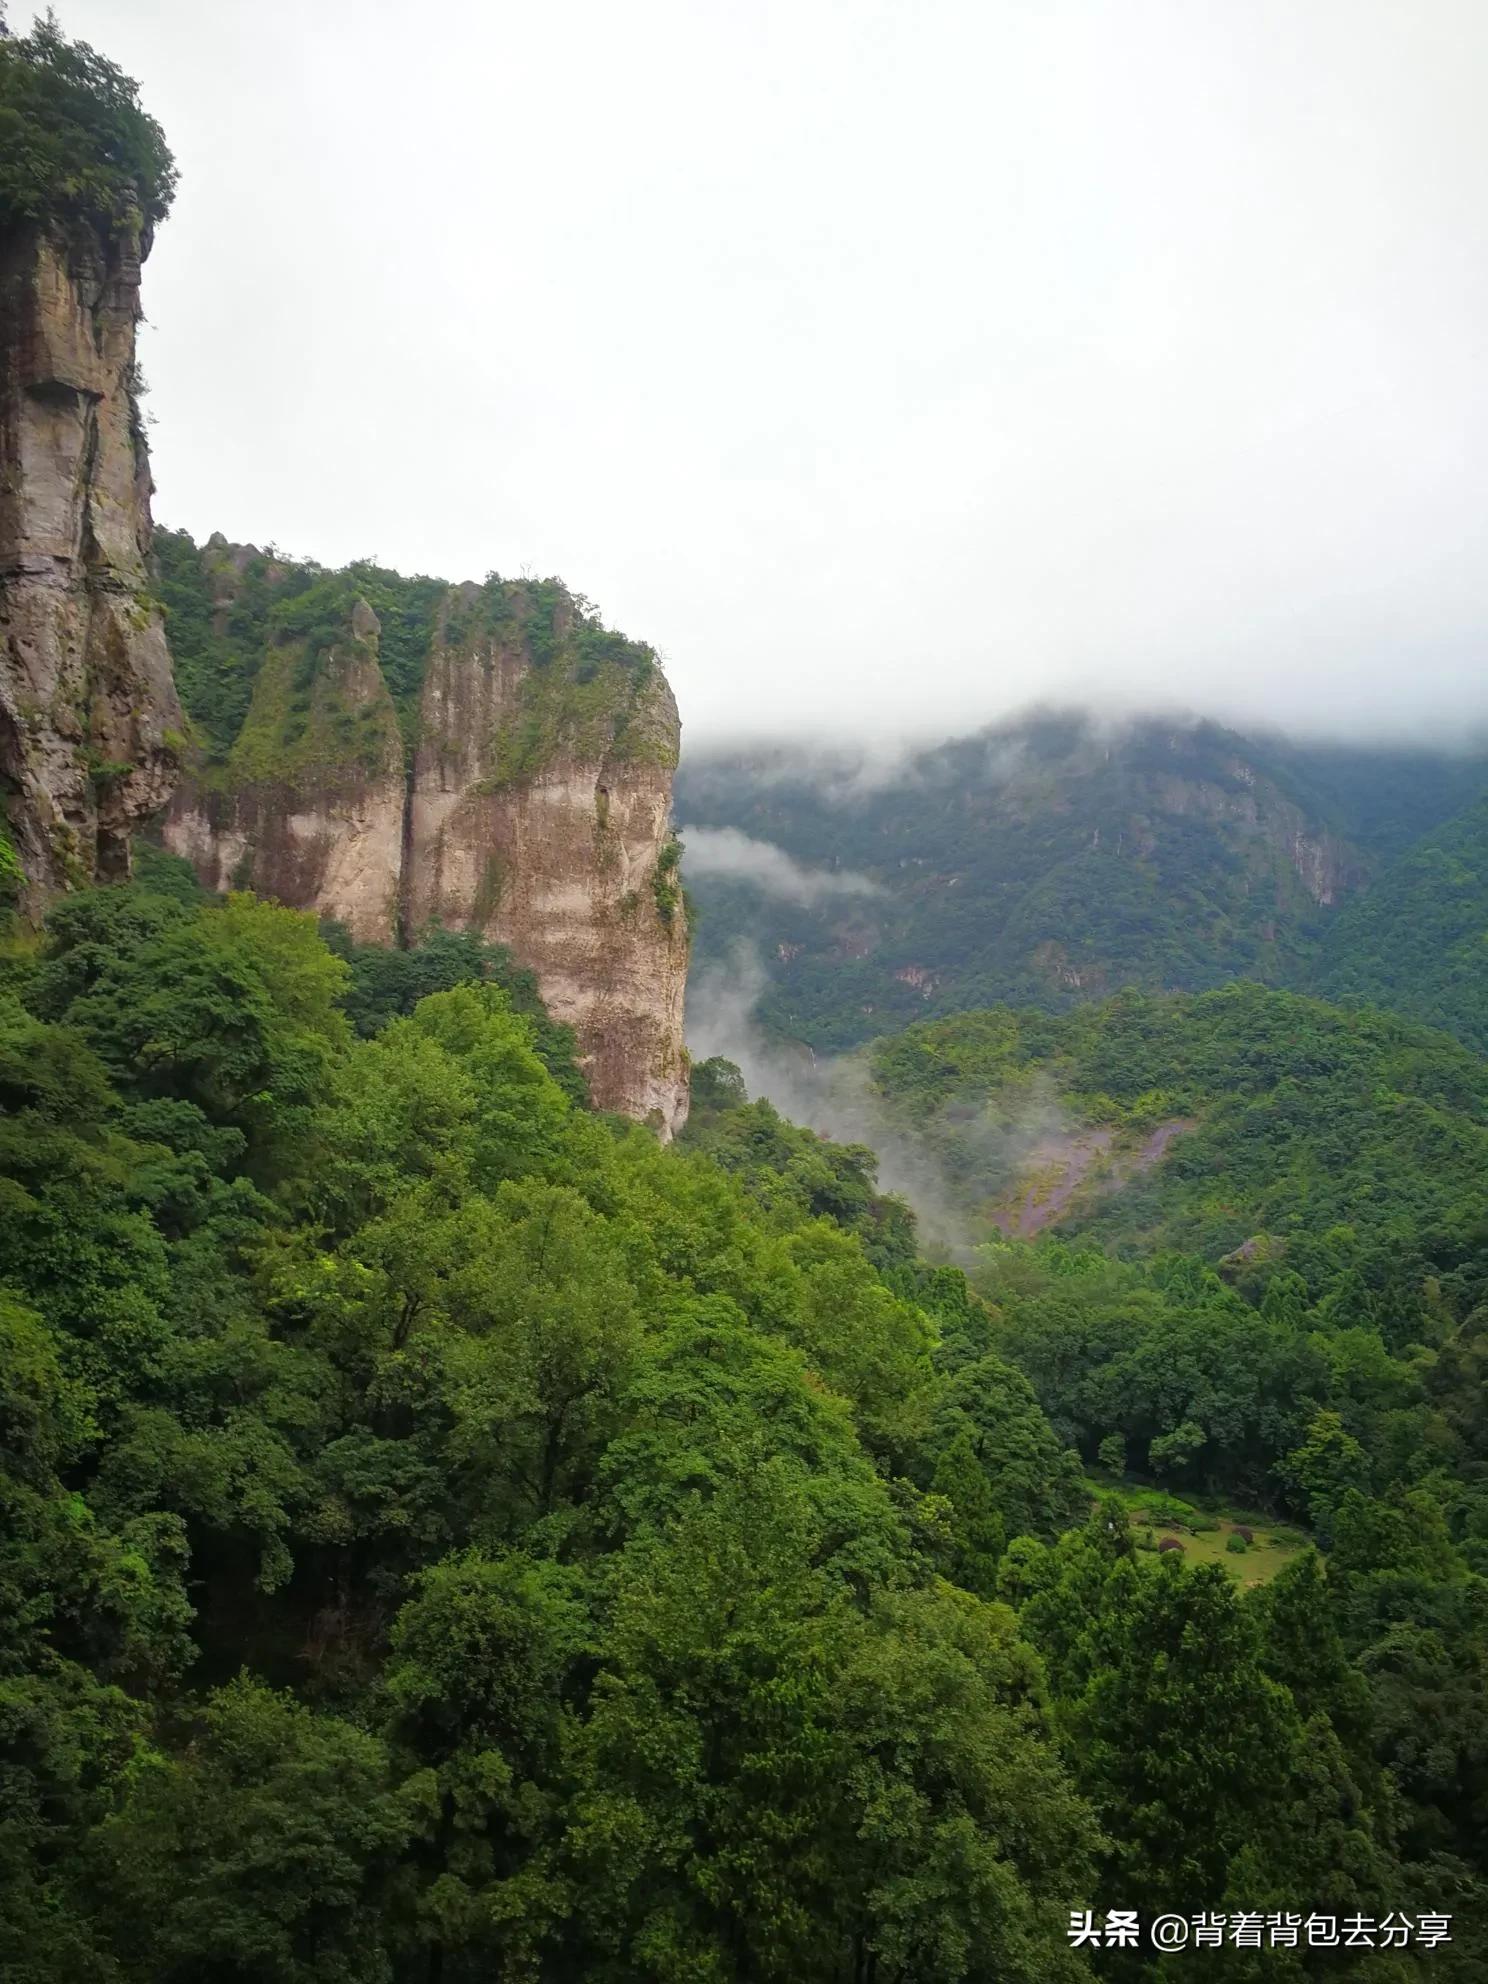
{"x":1264,"y":826}
{"x":485,"y":758}
{"x":538,"y":814}
{"x":309,"y":804}
{"x":90,"y":727}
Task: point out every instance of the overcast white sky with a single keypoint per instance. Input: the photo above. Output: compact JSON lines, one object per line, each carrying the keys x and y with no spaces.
{"x":887,"y":366}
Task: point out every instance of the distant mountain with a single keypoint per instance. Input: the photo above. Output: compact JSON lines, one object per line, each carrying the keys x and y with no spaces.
{"x":1417,"y":942}
{"x":1043,"y":863}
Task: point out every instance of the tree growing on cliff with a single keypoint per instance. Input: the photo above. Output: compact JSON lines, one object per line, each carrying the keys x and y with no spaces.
{"x":76,"y":144}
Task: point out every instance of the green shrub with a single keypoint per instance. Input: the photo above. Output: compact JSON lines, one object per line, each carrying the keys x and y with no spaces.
{"x":664,"y":883}
{"x":1236,"y":1543}
{"x":12,"y":876}
{"x":1167,"y":1509}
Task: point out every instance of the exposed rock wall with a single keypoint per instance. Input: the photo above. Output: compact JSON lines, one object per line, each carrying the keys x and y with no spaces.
{"x":90,"y":727}
{"x":309,"y":809}
{"x":560,"y":864}
{"x":1325,"y":865}
{"x":523,"y":792}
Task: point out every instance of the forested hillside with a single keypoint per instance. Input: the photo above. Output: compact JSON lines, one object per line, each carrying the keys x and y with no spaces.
{"x":448,"y":1534}
{"x":1417,"y":942}
{"x":1281,"y":1116}
{"x":445,"y":1530}
{"x":1046,"y":862}
{"x":1257,"y":1208}
{"x":1255,"y":1306}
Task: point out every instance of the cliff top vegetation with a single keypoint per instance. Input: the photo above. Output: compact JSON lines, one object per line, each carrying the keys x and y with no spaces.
{"x":234,"y":614}
{"x":75,"y":142}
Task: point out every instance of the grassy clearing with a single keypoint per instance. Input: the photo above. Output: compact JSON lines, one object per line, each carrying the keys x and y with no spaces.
{"x":1257,"y":1564}
{"x":1203,"y":1530}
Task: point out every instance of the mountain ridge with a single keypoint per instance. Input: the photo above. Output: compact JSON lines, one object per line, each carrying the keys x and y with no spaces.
{"x":1056,"y":860}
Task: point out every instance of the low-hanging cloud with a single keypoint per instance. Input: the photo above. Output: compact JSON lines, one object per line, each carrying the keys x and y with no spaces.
{"x":835,"y":1096}
{"x":841,"y":770}
{"x":842,"y":775}
{"x":725,"y":852}
{"x":831,"y":1096}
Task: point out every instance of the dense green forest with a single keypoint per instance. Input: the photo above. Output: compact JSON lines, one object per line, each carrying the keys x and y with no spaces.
{"x":1310,"y":1242}
{"x":1051,"y":860}
{"x":1298,"y":1115}
{"x":448,"y":1535}
{"x":1417,"y":942}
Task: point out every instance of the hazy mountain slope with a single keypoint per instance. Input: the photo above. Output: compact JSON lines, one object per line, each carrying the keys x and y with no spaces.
{"x":1418,"y":940}
{"x":1381,"y":797}
{"x":1201,"y":1122}
{"x":1042,"y":863}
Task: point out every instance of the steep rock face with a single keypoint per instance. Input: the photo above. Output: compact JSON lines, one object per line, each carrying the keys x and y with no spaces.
{"x":553,"y":846}
{"x":310,"y":807}
{"x":487,"y":758}
{"x":1325,"y":865}
{"x":90,"y":726}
